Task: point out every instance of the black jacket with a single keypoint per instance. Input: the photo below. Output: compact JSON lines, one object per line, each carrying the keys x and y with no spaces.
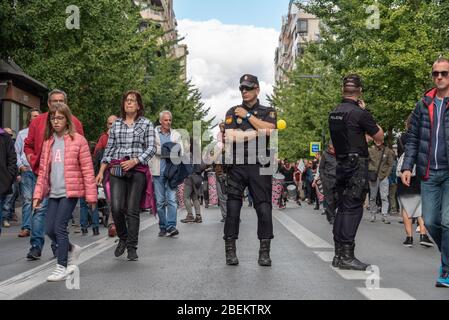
{"x":8,"y":163}
{"x":418,"y":147}
{"x":328,"y":169}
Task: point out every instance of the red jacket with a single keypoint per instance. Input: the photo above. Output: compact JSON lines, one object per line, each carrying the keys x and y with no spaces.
{"x":78,"y":170}
{"x":35,"y":139}
{"x":102,"y":143}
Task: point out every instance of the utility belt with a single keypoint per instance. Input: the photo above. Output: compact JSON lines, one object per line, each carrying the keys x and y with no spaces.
{"x":351,"y":156}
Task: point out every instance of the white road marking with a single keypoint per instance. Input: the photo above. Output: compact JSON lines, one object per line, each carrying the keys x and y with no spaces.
{"x":313,"y":241}
{"x":352,"y":275}
{"x":307,"y":237}
{"x":326,"y":256}
{"x":385,"y":294}
{"x":20,"y":284}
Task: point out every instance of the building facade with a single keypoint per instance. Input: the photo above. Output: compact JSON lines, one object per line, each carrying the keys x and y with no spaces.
{"x":298,"y":29}
{"x":162,"y":13}
{"x":18,"y":94}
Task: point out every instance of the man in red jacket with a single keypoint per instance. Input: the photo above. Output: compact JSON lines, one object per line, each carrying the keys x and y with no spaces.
{"x":103,"y":140}
{"x":33,"y":149}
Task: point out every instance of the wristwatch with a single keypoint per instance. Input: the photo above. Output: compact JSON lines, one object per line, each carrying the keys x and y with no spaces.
{"x":248,"y":115}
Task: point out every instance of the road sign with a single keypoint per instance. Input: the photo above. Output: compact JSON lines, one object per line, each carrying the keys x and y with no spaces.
{"x":315,"y":147}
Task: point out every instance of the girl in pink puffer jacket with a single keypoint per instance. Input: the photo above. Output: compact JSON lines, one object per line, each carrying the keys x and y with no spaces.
{"x":66,"y":174}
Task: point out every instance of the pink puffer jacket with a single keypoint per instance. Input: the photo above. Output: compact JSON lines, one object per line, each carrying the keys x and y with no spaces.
{"x":78,"y":170}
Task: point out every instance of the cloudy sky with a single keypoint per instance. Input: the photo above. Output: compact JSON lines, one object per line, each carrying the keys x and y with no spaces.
{"x":227,"y":39}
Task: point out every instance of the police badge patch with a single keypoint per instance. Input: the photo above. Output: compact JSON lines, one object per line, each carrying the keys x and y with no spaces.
{"x":273,"y":115}
{"x":239,"y":121}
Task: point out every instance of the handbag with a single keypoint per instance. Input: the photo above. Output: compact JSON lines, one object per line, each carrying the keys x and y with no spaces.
{"x":117,"y":171}
{"x":399,"y":167}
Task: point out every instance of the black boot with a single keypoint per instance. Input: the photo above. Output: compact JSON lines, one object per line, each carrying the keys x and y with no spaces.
{"x":231,"y":256}
{"x":96,"y":231}
{"x":84,"y":231}
{"x":264,"y":253}
{"x":349,"y":261}
{"x":337,"y":258}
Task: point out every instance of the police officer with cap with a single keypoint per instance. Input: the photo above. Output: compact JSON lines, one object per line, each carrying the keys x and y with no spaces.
{"x":244,"y":126}
{"x":349,"y":124}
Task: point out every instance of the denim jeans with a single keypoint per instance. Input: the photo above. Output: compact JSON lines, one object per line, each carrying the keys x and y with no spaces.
{"x":9,"y":204}
{"x":37,"y":239}
{"x":2,"y":200}
{"x":435,"y":206}
{"x":27,"y":185}
{"x":165,"y":203}
{"x":84,"y":214}
{"x":126,"y":194}
{"x":59,"y":213}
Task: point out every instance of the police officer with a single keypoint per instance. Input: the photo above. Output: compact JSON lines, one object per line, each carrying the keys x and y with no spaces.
{"x":349,"y":124}
{"x":244,"y":124}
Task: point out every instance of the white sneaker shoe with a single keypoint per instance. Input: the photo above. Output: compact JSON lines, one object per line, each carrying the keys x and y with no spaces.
{"x":61,"y":273}
{"x":74,"y":254}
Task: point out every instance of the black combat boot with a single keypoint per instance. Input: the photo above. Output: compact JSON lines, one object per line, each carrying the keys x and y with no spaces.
{"x":96,"y":231}
{"x":231,"y":256}
{"x":337,"y":258}
{"x":349,"y":261}
{"x":264,"y":253}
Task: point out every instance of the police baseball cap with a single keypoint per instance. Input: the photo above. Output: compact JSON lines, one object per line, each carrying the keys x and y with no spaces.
{"x":249,"y":80}
{"x":353,"y":80}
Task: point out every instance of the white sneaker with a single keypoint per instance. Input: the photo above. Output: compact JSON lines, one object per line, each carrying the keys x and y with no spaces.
{"x":61,"y":273}
{"x":74,"y":255}
{"x":6,"y":224}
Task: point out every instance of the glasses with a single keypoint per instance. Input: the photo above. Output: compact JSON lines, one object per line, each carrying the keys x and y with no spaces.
{"x":131,"y":100}
{"x":436,"y":74}
{"x":53,"y":119}
{"x":245,"y":88}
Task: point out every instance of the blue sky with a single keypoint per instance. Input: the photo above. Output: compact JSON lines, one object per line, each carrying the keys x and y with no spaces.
{"x":260,"y":13}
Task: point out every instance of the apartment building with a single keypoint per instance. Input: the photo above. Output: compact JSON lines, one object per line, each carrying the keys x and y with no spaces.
{"x":162,"y":13}
{"x":298,"y":29}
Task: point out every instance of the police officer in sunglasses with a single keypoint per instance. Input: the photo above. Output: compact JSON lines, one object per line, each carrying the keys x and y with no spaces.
{"x":247,"y":129}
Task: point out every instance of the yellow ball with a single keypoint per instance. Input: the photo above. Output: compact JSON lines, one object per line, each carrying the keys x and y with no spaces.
{"x":282,"y":125}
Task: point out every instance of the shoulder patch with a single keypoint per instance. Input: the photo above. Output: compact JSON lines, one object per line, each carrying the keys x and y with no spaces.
{"x":229,"y":120}
{"x":273,"y":114}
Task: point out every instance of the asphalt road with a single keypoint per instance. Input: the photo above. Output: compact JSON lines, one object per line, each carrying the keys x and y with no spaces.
{"x":192,"y":265}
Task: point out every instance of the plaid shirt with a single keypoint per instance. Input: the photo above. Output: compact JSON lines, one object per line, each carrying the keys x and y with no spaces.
{"x":137,"y":141}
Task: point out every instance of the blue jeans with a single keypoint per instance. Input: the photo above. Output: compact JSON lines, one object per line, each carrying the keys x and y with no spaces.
{"x":84,"y":214}
{"x":37,"y":239}
{"x":435,"y":208}
{"x":165,"y":203}
{"x":2,"y":200}
{"x":27,"y":185}
{"x":59,"y":213}
{"x":9,"y":204}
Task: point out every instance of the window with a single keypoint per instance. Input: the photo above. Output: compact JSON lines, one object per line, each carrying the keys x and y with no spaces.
{"x":302,"y":26}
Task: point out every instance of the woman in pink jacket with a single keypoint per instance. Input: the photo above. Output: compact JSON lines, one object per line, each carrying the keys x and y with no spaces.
{"x":65,"y":174}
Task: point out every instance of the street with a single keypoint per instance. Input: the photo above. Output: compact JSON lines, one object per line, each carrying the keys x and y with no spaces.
{"x":192,"y":265}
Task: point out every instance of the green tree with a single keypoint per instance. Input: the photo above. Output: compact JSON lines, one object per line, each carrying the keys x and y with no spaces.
{"x":305,"y":102}
{"x":394,"y":59}
{"x":98,"y":62}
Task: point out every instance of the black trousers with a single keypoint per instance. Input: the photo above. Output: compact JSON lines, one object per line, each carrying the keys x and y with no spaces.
{"x":352,"y":188}
{"x":260,"y":186}
{"x":330,"y":196}
{"x":126,"y":194}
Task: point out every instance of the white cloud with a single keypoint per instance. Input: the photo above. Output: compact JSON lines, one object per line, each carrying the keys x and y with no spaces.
{"x":220,"y":54}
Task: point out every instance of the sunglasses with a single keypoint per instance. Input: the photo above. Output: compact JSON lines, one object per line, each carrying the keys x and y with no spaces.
{"x":245,"y":88}
{"x":436,"y":74}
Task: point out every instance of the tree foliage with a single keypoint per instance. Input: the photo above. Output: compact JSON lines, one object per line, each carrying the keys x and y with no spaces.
{"x":98,"y":62}
{"x":394,"y":59}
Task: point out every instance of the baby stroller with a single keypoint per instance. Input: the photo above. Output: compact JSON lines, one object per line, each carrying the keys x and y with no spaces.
{"x":103,"y":206}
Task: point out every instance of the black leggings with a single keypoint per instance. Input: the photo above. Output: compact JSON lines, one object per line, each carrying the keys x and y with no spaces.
{"x":126,"y":194}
